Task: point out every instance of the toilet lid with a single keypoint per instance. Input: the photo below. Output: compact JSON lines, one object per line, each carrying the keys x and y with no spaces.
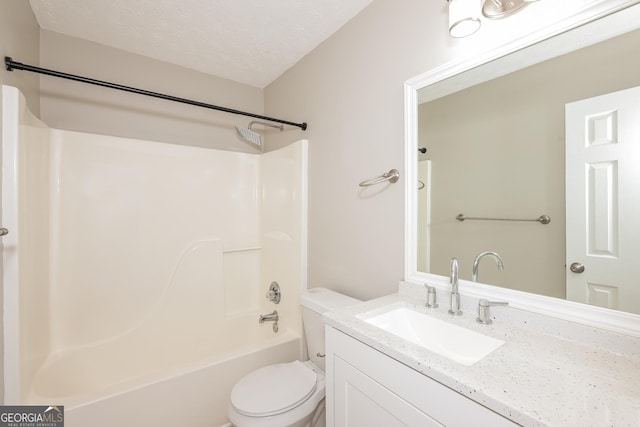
{"x":273,"y":389}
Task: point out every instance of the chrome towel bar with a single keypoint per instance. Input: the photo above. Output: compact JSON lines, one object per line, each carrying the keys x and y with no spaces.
{"x":392,"y":176}
{"x":542,"y":219}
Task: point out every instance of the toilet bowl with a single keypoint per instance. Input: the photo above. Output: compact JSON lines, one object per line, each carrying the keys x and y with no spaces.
{"x":286,"y":394}
{"x":290,"y":394}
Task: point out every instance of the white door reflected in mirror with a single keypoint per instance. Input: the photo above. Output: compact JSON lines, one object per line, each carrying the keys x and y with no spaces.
{"x":603,"y":200}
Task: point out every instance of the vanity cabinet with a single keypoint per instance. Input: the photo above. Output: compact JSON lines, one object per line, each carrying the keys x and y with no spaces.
{"x":368,"y":388}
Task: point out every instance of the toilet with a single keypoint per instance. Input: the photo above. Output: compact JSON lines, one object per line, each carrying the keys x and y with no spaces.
{"x":290,"y":394}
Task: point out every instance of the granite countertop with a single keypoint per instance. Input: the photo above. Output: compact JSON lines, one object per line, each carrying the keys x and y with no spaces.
{"x":549,"y":372}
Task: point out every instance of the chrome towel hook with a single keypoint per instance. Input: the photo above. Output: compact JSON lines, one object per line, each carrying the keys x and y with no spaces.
{"x":392,"y":176}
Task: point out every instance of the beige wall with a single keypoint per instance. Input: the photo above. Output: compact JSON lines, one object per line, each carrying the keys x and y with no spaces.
{"x":82,"y":107}
{"x":19,"y":34}
{"x":350,"y":90}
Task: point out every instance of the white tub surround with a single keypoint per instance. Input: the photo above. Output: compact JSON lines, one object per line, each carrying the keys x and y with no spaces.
{"x":549,"y":372}
{"x":134,"y":270}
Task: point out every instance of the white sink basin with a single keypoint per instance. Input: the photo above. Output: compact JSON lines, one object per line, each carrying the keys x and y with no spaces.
{"x":454,"y":342}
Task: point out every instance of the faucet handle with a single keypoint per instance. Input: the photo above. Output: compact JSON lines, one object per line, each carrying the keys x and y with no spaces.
{"x":431,"y":297}
{"x":486,"y":303}
{"x":484,"y":314}
{"x":274,"y":294}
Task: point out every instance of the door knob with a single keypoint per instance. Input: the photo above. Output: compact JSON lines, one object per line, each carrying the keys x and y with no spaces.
{"x":576,"y":267}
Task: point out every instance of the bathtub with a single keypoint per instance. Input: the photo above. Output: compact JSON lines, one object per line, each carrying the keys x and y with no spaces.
{"x":74,"y":375}
{"x":118,"y":384}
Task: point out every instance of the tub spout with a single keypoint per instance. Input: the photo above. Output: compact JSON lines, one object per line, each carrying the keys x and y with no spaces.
{"x":271,"y":317}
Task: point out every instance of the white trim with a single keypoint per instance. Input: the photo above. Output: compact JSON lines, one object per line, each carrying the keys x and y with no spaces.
{"x":304,"y":211}
{"x":11,"y":302}
{"x":595,"y":23}
{"x":304,"y":237}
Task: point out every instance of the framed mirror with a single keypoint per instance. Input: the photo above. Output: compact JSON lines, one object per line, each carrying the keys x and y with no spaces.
{"x":505,"y":172}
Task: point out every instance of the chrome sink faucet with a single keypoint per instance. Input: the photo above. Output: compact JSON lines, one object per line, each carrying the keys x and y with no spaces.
{"x":454,"y":308}
{"x":476,"y":262}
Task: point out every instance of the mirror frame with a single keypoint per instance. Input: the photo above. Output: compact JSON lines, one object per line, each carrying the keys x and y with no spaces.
{"x":607,"y":19}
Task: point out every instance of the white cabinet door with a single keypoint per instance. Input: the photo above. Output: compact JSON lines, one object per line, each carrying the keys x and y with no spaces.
{"x":360,"y":401}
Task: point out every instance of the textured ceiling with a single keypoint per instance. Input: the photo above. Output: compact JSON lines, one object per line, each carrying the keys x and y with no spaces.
{"x":249,"y":41}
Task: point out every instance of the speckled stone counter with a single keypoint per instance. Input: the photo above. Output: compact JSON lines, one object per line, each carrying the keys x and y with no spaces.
{"x":549,"y":372}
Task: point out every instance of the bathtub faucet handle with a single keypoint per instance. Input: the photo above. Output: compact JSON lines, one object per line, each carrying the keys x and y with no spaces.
{"x":274,"y":293}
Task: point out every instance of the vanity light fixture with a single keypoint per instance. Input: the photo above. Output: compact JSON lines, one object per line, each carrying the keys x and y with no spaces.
{"x":498,"y":9}
{"x":464,"y":18}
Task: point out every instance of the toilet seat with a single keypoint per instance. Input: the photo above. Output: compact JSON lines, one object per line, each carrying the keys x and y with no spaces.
{"x":274,"y":389}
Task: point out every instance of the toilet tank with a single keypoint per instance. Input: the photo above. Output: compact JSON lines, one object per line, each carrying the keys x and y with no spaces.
{"x":314,"y":302}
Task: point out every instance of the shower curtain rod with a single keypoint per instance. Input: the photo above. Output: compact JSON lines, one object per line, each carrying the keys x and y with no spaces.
{"x":11,"y":65}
